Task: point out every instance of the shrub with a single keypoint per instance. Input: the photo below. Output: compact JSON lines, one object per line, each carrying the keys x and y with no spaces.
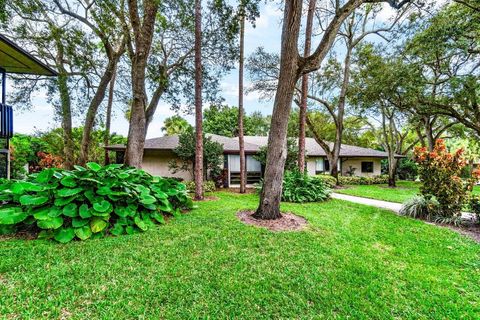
{"x":345,"y":180}
{"x":329,"y":180}
{"x":420,"y":207}
{"x":208,"y":186}
{"x":407,"y":169}
{"x":440,"y":172}
{"x":90,"y":202}
{"x":300,"y":187}
{"x":474,"y":206}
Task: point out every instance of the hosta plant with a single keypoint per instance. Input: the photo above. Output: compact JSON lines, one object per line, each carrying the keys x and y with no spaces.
{"x":89,"y":202}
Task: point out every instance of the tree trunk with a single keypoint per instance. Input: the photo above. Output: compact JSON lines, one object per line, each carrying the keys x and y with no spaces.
{"x":93,"y":108}
{"x":392,"y":170}
{"x":269,"y":207}
{"x":243,"y":175}
{"x":198,"y":103}
{"x":65,"y":108}
{"x":66,"y":112}
{"x":143,"y":35}
{"x":429,"y":133}
{"x":108,"y":120}
{"x":303,"y":100}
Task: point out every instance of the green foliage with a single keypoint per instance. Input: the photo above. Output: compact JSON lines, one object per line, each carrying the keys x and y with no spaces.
{"x":329,"y":180}
{"x":420,"y":207}
{"x":407,"y":169}
{"x":175,"y":125}
{"x":292,"y":154}
{"x":24,"y":150}
{"x":300,"y":187}
{"x":92,"y":201}
{"x":208,"y":186}
{"x":474,"y":205}
{"x":356,"y":180}
{"x":223,"y":120}
{"x":212,"y":155}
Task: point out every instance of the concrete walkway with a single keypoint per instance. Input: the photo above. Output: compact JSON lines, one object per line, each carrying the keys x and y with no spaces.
{"x":392,"y":206}
{"x":395,"y":207}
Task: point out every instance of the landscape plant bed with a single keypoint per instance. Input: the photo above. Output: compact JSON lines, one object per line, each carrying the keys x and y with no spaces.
{"x":208,"y":198}
{"x":288,"y":221}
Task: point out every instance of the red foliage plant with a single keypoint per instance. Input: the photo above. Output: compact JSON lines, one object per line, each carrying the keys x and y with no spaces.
{"x":440,"y":172}
{"x":48,"y":160}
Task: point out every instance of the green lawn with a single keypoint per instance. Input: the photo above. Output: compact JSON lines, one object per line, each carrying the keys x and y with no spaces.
{"x":404,"y":191}
{"x":351,"y":262}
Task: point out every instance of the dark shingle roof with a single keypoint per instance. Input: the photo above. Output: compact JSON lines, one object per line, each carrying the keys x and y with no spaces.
{"x":254,"y":143}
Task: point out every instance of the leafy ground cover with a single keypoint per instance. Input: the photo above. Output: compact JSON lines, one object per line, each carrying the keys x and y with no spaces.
{"x":404,"y":191}
{"x":351,"y":261}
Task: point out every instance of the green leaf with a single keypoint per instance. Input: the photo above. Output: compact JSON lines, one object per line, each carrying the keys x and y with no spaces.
{"x":117,"y":229}
{"x":121,"y":212}
{"x":17,"y":188}
{"x":55,"y":212}
{"x":130,"y":230}
{"x":52,"y":223}
{"x":83,"y":233}
{"x":79,"y":168}
{"x":159,"y":217}
{"x":77,"y":223}
{"x":60,"y":202}
{"x":69,"y":181}
{"x":28,"y":186}
{"x":41,"y":213}
{"x":103,"y":206}
{"x":12,"y":215}
{"x":147,"y":199}
{"x":64,"y":235}
{"x":70,"y":210}
{"x":28,"y":200}
{"x":69,"y":192}
{"x":45,"y":234}
{"x":84,"y":211}
{"x":98,"y":224}
{"x":94,"y":166}
{"x":141,"y":224}
{"x":45,"y":175}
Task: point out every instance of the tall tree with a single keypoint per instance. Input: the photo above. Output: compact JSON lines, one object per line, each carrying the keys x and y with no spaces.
{"x":335,"y":76}
{"x":304,"y":90}
{"x":292,"y":67}
{"x":98,"y":18}
{"x":198,"y":103}
{"x":241,"y":143}
{"x":108,"y":117}
{"x":139,"y":48}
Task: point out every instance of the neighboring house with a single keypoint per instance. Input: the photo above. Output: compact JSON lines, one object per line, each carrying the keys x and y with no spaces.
{"x":158,"y":153}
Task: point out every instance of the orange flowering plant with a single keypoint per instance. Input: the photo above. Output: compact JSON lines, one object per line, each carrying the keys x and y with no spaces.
{"x":440,"y":172}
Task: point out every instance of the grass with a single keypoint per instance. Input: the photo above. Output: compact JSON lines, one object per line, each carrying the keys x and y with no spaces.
{"x":352,"y":261}
{"x":404,"y":191}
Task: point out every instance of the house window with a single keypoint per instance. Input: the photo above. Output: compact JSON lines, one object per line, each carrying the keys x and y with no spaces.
{"x":120,"y":157}
{"x":319,"y":166}
{"x":326,"y":165}
{"x":367,"y":166}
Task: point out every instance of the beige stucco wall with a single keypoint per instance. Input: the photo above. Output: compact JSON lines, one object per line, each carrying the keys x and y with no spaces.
{"x":156,"y":163}
{"x":311,"y":165}
{"x":357,"y":163}
{"x":346,"y":163}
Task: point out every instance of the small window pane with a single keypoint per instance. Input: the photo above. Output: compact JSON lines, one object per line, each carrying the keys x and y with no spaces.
{"x":367,"y":167}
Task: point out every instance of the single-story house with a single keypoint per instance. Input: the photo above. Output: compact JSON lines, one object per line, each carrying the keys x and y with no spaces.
{"x":158,"y":153}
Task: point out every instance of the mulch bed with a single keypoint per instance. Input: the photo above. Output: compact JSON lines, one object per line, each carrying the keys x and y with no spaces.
{"x":288,"y":221}
{"x":472,"y":231}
